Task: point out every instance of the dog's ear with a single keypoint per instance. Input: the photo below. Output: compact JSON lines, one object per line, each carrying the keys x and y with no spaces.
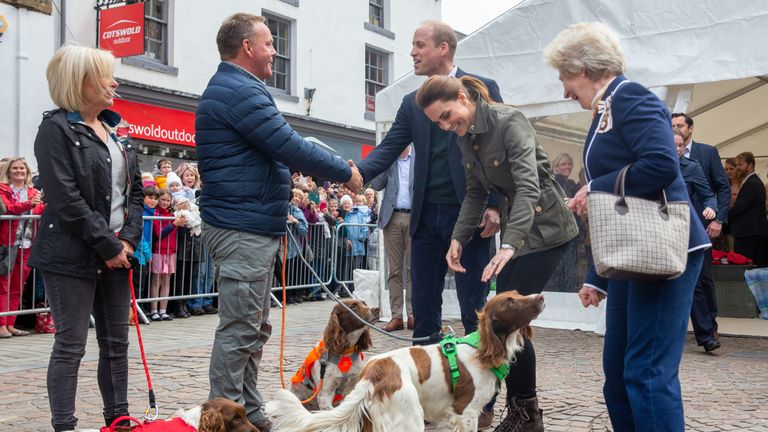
{"x":335,"y":336}
{"x":492,"y":351}
{"x":527,"y":331}
{"x":212,"y":419}
{"x":364,"y":343}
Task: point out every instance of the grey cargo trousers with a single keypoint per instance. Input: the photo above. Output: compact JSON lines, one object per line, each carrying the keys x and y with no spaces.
{"x":245,"y":264}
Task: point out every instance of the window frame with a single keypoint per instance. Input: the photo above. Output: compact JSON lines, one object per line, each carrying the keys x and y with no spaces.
{"x":164,"y":25}
{"x":379,"y":5}
{"x":384,"y":68}
{"x":285,"y":57}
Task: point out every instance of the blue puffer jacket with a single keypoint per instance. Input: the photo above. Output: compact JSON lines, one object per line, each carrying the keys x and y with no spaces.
{"x":244,"y":147}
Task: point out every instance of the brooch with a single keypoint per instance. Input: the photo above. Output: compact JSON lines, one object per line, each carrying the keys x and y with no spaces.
{"x":606,"y":120}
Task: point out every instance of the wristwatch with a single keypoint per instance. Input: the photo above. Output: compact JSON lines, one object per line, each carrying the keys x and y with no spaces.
{"x":508,"y":246}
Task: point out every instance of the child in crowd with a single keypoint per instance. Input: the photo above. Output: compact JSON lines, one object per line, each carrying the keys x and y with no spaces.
{"x":335,"y":212}
{"x":163,"y":255}
{"x":189,"y":251}
{"x":174,"y":186}
{"x":147,"y":180}
{"x":164,"y":166}
{"x":185,"y":208}
{"x":143,"y":252}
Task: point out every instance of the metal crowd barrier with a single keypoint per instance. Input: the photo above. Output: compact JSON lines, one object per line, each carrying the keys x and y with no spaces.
{"x":326,"y":248}
{"x":332,"y":258}
{"x":12,"y":282}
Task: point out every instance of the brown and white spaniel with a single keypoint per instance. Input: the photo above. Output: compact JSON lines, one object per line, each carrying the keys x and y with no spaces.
{"x":217,"y":415}
{"x":345,"y":338}
{"x":398,"y":390}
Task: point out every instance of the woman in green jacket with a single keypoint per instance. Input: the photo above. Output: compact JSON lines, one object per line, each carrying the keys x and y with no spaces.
{"x":500,"y":155}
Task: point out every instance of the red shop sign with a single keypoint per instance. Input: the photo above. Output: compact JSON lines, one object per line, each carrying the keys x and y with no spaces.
{"x":155,"y":123}
{"x":121,"y":30}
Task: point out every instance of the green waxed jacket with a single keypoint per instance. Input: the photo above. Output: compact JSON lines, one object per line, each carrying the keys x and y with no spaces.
{"x":503,"y":156}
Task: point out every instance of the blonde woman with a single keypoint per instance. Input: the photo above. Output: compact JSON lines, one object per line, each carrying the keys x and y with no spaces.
{"x":90,"y":226}
{"x":566,"y":276}
{"x":18,"y":198}
{"x":190,"y":180}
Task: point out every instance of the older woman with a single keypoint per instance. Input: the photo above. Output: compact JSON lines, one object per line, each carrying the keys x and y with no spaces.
{"x":19,"y":198}
{"x":646,"y":321}
{"x":90,"y":226}
{"x":500,"y":153}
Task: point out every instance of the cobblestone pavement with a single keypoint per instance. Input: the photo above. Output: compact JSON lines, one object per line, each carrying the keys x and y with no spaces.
{"x":722,"y":392}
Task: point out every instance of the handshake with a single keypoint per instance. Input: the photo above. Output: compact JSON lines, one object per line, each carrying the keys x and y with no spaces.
{"x":355,"y":183}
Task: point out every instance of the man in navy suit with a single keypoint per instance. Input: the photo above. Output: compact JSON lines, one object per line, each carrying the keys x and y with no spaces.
{"x":704,"y":309}
{"x":438,"y":190}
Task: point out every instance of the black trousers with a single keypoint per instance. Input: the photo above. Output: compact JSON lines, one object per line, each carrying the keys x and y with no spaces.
{"x":704,"y":306}
{"x":528,"y":275}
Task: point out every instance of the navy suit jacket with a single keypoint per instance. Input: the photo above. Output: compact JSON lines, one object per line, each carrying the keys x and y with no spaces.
{"x":698,"y":187}
{"x":709,"y":159}
{"x":412,"y":126}
{"x":641,"y":135}
{"x":748,"y":212}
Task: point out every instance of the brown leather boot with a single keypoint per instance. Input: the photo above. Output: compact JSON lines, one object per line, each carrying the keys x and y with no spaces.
{"x":523,"y":415}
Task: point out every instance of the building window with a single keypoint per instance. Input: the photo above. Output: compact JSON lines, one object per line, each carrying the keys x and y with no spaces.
{"x":376,"y":12}
{"x":376,"y":76}
{"x":156,"y":32}
{"x":281,"y":68}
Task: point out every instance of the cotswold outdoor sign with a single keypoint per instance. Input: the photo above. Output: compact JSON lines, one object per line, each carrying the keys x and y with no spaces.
{"x":121,"y":30}
{"x":155,"y":123}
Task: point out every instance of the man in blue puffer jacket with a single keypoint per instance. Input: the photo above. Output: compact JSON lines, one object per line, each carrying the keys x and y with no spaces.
{"x":244,"y":147}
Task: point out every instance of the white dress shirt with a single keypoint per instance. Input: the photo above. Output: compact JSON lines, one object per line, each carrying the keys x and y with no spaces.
{"x":404,"y":180}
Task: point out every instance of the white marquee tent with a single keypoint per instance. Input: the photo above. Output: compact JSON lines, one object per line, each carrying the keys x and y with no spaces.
{"x":708,"y":58}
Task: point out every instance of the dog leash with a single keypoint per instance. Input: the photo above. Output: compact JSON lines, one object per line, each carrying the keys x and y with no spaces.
{"x":152,"y":411}
{"x":283,"y":261}
{"x":433,"y":338}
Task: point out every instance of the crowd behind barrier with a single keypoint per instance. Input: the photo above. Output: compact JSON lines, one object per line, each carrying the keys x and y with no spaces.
{"x":328,"y":252}
{"x":341,"y":236}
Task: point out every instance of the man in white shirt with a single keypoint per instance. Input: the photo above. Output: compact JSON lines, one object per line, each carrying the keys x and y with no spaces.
{"x":394,"y":220}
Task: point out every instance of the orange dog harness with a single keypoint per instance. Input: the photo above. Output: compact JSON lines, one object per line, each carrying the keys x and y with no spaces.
{"x":321,"y":354}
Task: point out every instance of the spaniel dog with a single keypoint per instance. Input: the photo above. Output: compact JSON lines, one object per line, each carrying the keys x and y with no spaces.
{"x":217,"y":415}
{"x":398,"y":390}
{"x":345,"y":339}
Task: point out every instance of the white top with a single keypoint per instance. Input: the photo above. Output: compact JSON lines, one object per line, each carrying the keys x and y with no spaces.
{"x":119,"y":183}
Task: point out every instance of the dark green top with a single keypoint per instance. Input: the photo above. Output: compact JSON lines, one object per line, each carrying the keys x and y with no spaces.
{"x":440,"y":188}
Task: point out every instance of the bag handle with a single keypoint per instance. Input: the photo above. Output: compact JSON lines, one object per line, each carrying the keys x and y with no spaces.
{"x":621,"y":203}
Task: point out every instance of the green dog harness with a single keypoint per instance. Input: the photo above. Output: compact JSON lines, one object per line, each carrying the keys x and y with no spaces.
{"x":448,"y":347}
